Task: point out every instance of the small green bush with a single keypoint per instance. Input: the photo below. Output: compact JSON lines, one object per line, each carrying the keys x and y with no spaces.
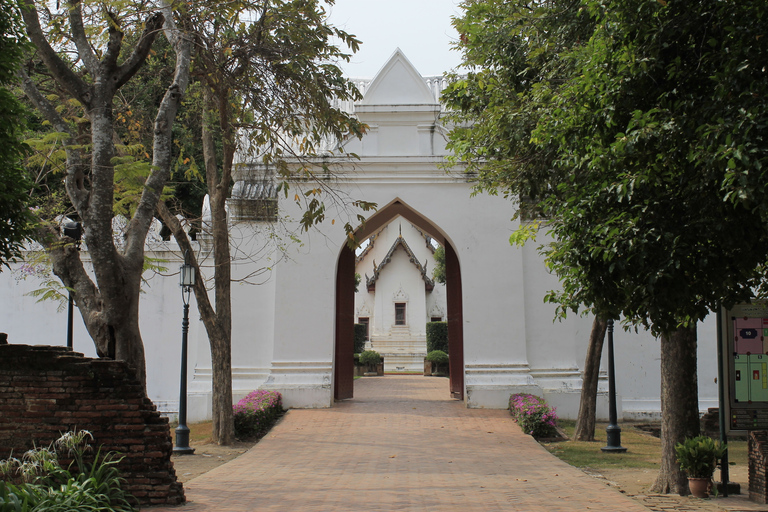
{"x":360,"y":331}
{"x":533,"y":415}
{"x":42,"y":484}
{"x":437,"y":336}
{"x":699,"y":456}
{"x":438,"y":357}
{"x":257,"y":412}
{"x":370,"y":357}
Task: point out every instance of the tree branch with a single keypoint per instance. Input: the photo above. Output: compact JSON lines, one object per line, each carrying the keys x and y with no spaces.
{"x":81,"y":40}
{"x":113,"y":47}
{"x":75,"y":183}
{"x":60,"y":70}
{"x":132,"y":64}
{"x":162,"y":149}
{"x":201,"y":294}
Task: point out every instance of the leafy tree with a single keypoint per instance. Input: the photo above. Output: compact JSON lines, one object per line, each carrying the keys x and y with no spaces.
{"x":91,"y":64}
{"x":643,"y":146}
{"x":267,"y":78}
{"x":15,"y":220}
{"x":438,"y":274}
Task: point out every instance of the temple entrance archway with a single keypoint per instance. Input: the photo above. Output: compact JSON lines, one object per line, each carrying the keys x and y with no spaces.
{"x":343,"y":367}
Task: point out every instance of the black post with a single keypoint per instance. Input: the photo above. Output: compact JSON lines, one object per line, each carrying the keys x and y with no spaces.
{"x":724,"y":470}
{"x":70,"y":309}
{"x":73,"y":230}
{"x":182,"y":431}
{"x":613,"y":430}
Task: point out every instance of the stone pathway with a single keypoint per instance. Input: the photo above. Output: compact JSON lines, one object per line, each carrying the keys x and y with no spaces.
{"x":401,"y":445}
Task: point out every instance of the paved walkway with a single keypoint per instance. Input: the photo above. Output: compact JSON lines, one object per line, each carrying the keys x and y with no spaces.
{"x":399,"y":445}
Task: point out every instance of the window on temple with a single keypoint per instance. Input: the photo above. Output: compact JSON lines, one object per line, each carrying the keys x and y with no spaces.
{"x":399,"y":313}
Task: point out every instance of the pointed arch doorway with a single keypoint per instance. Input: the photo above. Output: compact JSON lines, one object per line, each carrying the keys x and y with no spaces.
{"x":343,"y":367}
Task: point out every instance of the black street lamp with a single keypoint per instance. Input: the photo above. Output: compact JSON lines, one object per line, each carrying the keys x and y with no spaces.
{"x":73,"y":230}
{"x":186,"y":281}
{"x":613,"y":430}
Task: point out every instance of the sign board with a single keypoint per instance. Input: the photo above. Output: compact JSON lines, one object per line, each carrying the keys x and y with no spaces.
{"x":745,"y":347}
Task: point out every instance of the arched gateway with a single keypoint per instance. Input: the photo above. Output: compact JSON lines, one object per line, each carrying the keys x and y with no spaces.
{"x":343,"y":368}
{"x":400,"y":168}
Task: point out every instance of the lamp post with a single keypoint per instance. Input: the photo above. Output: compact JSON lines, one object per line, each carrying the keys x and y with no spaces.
{"x":186,"y":281}
{"x":73,"y":230}
{"x":613,"y":430}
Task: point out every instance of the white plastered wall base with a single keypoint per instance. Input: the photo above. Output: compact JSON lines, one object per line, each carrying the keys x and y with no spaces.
{"x":304,"y":385}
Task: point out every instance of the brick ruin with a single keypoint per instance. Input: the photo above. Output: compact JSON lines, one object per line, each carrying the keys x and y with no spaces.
{"x":758,"y":463}
{"x":46,"y":391}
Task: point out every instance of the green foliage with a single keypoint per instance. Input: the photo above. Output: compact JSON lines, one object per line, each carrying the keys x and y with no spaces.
{"x":16,"y":222}
{"x":358,"y":278}
{"x":37,"y":265}
{"x":437,"y":336}
{"x":135,"y":116}
{"x":369,"y":358}
{"x":438,"y":357}
{"x":360,"y":332}
{"x":615,"y":121}
{"x":699,"y":456}
{"x":268,"y":70}
{"x":438,"y":273}
{"x":46,"y":486}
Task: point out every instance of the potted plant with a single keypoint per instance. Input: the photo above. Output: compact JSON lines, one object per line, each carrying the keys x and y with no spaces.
{"x":439,"y":360}
{"x":699,"y":456}
{"x":371,"y":359}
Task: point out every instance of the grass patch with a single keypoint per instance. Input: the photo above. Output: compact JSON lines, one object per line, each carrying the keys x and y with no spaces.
{"x":643,"y":450}
{"x":199,"y":433}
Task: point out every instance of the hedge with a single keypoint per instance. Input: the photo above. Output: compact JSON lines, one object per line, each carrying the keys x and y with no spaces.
{"x":360,"y":331}
{"x":437,"y":336}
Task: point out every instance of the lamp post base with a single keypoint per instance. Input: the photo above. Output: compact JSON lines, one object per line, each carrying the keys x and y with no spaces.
{"x":613,"y":436}
{"x":182,"y":441}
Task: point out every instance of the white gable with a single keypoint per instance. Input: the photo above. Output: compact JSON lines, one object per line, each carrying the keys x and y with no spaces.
{"x":402,"y":114}
{"x":398,"y":83}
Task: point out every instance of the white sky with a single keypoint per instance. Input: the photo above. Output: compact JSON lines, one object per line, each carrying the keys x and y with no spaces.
{"x":420,"y":28}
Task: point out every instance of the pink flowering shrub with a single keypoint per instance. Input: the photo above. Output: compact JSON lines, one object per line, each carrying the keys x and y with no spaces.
{"x":533,"y":415}
{"x":257,"y":412}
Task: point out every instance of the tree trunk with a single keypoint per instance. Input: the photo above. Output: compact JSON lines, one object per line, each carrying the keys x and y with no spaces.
{"x":223,"y":431}
{"x":109,"y":305}
{"x":223,"y":428}
{"x":679,"y":405}
{"x":585,"y":422}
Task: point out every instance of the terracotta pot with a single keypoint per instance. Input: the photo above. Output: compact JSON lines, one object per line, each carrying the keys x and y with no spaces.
{"x":699,"y":486}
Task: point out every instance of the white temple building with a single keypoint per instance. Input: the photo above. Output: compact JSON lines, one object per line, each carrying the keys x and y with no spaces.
{"x":399,"y":296}
{"x":294,"y":308}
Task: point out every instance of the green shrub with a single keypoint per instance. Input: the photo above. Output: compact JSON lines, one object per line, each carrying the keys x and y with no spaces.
{"x":438,"y":357}
{"x":437,"y":336}
{"x":533,"y":415}
{"x":360,"y":331}
{"x":46,"y":486}
{"x":257,"y":412}
{"x":370,"y":357}
{"x":699,"y":456}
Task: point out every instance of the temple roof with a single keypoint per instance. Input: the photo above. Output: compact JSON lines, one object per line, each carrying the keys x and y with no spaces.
{"x":370,"y":282}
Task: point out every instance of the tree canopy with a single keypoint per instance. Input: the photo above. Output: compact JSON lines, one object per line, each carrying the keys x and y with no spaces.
{"x":637,"y":129}
{"x":16,"y":221}
{"x":636,"y":132}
